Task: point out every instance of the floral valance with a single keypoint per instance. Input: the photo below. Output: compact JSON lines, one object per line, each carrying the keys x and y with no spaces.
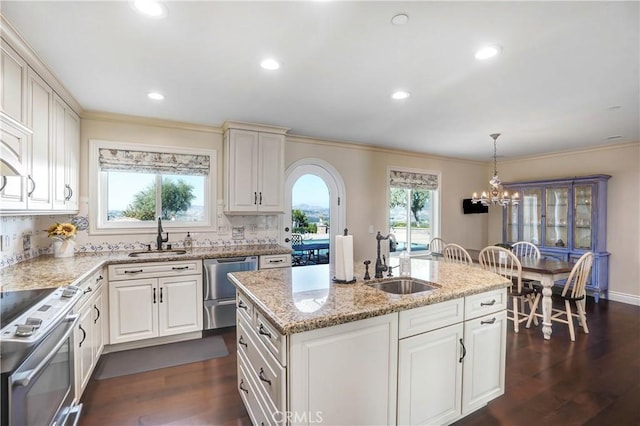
{"x":412,"y":180}
{"x":153,"y":162}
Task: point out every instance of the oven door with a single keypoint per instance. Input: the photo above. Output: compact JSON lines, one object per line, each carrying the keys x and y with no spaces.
{"x":41,"y":389}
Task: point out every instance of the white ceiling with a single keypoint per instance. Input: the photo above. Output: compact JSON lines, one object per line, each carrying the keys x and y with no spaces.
{"x":568,"y":76}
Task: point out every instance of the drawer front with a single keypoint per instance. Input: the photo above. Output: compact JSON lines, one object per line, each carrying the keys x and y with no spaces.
{"x":127,"y":271}
{"x":244,"y":307}
{"x":274,"y":341}
{"x":481,"y":304}
{"x":250,"y":396}
{"x":274,"y":261}
{"x":265,"y":369}
{"x":430,"y":317}
{"x":89,"y":287}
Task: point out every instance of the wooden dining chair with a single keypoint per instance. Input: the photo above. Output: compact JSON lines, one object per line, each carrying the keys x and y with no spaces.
{"x":436,"y":245}
{"x":574,"y":291}
{"x":453,"y":253}
{"x":525,"y":249}
{"x":503,"y":262}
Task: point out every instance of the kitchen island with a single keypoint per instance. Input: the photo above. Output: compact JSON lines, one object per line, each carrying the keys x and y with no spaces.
{"x":311,"y":351}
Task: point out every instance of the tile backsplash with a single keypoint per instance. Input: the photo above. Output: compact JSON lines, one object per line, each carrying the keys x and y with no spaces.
{"x":231,"y":230}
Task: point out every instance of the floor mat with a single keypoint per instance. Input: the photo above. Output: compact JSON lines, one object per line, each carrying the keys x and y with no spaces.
{"x":154,"y":357}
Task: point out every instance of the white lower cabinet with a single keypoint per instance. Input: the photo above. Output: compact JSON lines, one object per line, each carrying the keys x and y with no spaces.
{"x":153,"y":305}
{"x":89,"y":337}
{"x":453,"y":367}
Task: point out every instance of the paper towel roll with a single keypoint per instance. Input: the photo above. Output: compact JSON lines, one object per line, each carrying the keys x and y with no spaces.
{"x":344,"y":257}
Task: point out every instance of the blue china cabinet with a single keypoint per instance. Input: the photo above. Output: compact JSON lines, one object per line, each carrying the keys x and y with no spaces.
{"x":565,"y":218}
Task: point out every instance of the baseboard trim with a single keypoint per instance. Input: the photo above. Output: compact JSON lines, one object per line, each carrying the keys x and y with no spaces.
{"x":151,"y":342}
{"x":630,"y":299}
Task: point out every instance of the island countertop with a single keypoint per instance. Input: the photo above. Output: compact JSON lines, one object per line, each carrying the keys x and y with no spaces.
{"x":49,"y":272}
{"x":300,"y":299}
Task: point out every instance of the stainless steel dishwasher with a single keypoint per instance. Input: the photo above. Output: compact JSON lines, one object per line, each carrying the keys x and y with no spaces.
{"x":218,"y":292}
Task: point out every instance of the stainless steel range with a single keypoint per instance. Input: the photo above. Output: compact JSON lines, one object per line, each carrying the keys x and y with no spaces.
{"x":36,"y":354}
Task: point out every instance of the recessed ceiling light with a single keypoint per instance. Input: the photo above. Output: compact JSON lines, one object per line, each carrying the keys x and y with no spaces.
{"x":488,"y":52}
{"x":156,"y":96}
{"x":151,"y":8}
{"x":400,"y":94}
{"x":270,"y":64}
{"x":400,"y":19}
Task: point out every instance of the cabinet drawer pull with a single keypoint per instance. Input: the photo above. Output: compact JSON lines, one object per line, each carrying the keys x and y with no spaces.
{"x":242,"y":305}
{"x":242,"y":342}
{"x":261,"y":376}
{"x":261,"y":198}
{"x":493,"y":302}
{"x":491,"y":321}
{"x":255,"y":198}
{"x":179,"y":268}
{"x":95,"y":321}
{"x":67,"y":187}
{"x":100,"y":278}
{"x":242,"y":388}
{"x":84,"y":336}
{"x":133,"y":271}
{"x":160,"y":294}
{"x":264,"y":332}
{"x":154,"y":295}
{"x":88,"y":290}
{"x":276,"y":261}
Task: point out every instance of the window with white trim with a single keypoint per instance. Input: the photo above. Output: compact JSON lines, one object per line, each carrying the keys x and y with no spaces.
{"x":414,"y":199}
{"x":136,"y":186}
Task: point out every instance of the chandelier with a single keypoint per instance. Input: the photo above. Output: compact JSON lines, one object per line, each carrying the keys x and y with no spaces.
{"x":495,"y":195}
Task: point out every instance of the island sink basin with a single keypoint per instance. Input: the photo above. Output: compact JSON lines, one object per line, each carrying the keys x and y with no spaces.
{"x":404,"y":286}
{"x":156,"y":253}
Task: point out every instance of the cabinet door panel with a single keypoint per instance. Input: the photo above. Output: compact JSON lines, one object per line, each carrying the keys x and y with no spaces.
{"x":40,"y":102}
{"x":243,"y":166}
{"x":557,"y":217}
{"x":84,"y":350}
{"x":270,"y":176}
{"x":59,"y":155}
{"x":430,"y":377}
{"x":72,"y":157}
{"x":133,"y":315}
{"x":13,"y":73}
{"x":327,"y":366}
{"x":178,"y":305}
{"x":14,"y":150}
{"x":99,"y":313}
{"x":483,"y":372}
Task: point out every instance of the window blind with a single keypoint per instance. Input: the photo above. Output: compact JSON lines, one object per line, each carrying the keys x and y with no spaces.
{"x":153,"y":162}
{"x":412,"y":180}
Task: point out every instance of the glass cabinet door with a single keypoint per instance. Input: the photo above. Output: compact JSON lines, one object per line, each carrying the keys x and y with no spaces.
{"x":531,"y":205}
{"x":557,"y":217}
{"x":582,"y":212}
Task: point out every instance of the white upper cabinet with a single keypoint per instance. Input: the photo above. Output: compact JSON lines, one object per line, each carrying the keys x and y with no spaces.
{"x":39,"y":136}
{"x":254,"y":168}
{"x":66,"y":146}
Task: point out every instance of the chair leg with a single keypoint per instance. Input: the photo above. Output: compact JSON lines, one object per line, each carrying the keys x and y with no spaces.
{"x":516,"y":316}
{"x":583,"y":317}
{"x":531,"y":309}
{"x":572,"y":332}
{"x":534,"y":310}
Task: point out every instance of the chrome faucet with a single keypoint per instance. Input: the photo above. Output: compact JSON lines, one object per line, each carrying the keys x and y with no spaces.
{"x":159,"y":239}
{"x":381,"y":264}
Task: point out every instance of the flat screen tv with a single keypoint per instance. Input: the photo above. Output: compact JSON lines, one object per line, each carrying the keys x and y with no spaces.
{"x":470,"y":208}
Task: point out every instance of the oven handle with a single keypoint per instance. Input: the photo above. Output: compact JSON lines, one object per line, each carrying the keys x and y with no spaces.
{"x":24,"y":381}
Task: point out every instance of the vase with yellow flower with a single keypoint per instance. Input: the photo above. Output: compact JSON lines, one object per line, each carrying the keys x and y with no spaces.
{"x":64,"y":236}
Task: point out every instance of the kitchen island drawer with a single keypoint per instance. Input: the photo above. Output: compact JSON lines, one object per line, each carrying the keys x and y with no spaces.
{"x":127,"y":271}
{"x":274,"y":261}
{"x":274,"y":341}
{"x":244,"y":307}
{"x":478,"y":305}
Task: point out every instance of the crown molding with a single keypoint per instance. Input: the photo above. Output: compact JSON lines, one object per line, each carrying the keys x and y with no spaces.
{"x":555,"y":154}
{"x":266,"y":128}
{"x":155,"y":122}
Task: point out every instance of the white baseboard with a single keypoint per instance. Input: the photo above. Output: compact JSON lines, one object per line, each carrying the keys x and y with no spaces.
{"x":152,"y":342}
{"x":630,"y":299}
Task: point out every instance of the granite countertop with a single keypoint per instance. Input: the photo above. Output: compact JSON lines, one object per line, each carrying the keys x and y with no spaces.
{"x":302,"y":299}
{"x":49,"y":272}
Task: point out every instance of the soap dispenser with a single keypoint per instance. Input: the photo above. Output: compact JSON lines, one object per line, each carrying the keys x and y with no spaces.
{"x":188,"y":243}
{"x":405,"y":264}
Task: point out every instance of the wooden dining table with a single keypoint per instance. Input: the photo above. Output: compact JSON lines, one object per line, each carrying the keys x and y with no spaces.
{"x":547,"y":271}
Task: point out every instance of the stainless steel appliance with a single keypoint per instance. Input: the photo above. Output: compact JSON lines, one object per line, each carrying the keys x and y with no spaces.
{"x":36,"y":350}
{"x":219,"y":294}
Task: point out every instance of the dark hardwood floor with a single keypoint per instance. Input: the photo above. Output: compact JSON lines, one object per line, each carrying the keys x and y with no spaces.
{"x":592,"y":381}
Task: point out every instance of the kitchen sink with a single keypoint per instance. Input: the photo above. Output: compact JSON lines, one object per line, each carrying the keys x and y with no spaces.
{"x":156,"y":253}
{"x":404,"y":286}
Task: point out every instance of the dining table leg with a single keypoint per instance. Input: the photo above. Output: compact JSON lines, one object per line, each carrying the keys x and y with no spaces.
{"x":547,"y":305}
